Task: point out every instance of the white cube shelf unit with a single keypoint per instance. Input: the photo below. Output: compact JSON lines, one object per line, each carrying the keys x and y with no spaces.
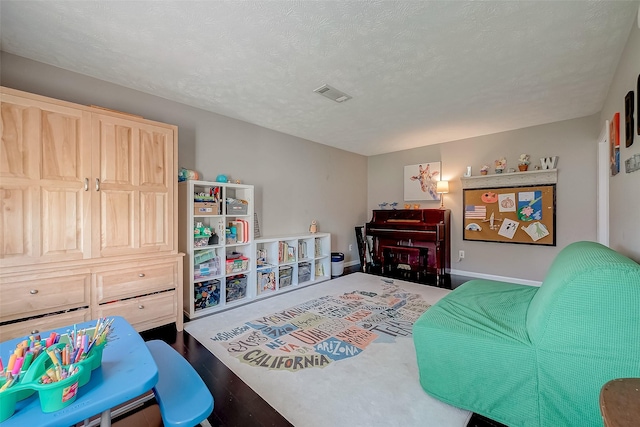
{"x":219,"y":267}
{"x":289,"y":262}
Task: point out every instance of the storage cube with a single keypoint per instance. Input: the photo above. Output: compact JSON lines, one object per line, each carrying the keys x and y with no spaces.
{"x":236,"y":287}
{"x":285,"y":276}
{"x":266,"y":280}
{"x":205,"y":208}
{"x":237,"y":265}
{"x":199,"y":242}
{"x":209,"y":268}
{"x":304,"y":272}
{"x":236,"y":207}
{"x":206,"y":294}
{"x":203,"y":256}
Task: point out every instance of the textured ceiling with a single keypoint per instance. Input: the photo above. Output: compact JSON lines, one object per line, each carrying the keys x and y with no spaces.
{"x":419,"y":72}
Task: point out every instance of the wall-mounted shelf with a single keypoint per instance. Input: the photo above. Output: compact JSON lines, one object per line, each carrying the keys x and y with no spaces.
{"x":514,"y":179}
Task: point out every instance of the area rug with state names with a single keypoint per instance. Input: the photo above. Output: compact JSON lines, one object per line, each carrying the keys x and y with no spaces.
{"x":336,"y":353}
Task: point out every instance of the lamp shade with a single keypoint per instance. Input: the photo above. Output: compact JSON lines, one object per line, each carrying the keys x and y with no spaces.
{"x":442,"y":187}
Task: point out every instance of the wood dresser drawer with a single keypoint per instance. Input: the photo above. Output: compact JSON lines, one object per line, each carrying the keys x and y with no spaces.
{"x":36,"y":293}
{"x":143,"y":312}
{"x":40,"y":324}
{"x":135,"y":279}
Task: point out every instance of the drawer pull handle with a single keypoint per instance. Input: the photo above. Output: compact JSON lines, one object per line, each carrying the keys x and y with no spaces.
{"x":86,"y":184}
{"x":33,"y":291}
{"x":141,"y":275}
{"x":141,"y":306}
{"x":35,"y":331}
{"x":97,"y":184}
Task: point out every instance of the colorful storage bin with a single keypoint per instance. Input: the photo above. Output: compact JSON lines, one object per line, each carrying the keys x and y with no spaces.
{"x":236,"y":287}
{"x":285,"y":274}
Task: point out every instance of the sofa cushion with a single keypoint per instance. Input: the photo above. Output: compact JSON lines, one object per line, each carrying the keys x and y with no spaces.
{"x":580,"y":276}
{"x":473,"y":343}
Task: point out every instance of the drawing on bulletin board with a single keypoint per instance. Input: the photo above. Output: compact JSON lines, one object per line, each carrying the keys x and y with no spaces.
{"x":525,"y":215}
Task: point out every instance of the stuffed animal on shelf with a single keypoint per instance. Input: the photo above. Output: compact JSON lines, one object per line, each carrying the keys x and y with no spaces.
{"x":313,"y":228}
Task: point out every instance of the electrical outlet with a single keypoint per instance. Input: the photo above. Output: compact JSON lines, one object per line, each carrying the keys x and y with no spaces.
{"x":461,"y":255}
{"x":350,"y":248}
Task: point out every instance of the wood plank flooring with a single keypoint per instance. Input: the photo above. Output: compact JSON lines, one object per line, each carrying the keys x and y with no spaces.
{"x":235,"y":403}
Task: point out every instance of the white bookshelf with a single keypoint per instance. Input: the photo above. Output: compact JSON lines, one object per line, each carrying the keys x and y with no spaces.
{"x":222,"y":288}
{"x":295,"y":261}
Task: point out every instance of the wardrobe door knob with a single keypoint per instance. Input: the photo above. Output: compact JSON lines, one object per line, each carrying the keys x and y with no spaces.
{"x":141,"y":306}
{"x":33,"y":291}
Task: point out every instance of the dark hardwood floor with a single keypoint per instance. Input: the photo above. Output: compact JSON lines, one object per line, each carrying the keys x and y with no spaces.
{"x":235,"y":403}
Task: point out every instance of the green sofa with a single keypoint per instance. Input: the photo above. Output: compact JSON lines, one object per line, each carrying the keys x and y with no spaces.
{"x":535,"y":356}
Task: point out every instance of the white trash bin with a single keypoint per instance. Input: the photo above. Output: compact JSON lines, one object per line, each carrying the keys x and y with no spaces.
{"x":337,"y":264}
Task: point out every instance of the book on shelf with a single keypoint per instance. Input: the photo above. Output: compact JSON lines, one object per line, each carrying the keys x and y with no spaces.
{"x":302,"y":249}
{"x":242,"y":230}
{"x":261,"y":256}
{"x":318,"y":248}
{"x":286,"y":252}
{"x":281,"y":249}
{"x":319,"y":269}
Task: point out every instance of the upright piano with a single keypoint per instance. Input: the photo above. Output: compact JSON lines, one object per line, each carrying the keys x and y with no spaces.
{"x":410,"y":243}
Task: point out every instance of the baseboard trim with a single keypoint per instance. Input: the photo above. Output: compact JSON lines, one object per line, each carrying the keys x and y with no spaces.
{"x":494,"y":277}
{"x":352,"y":262}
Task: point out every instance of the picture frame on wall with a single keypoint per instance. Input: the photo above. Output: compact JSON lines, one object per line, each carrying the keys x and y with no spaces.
{"x":629,"y":126}
{"x":614,"y":141}
{"x":420,"y":181}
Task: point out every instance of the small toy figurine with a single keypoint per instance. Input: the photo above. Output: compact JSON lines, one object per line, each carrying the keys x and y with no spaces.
{"x":523,"y":162}
{"x":313,"y":228}
{"x":185,"y":174}
{"x":393,"y":205}
{"x":484,"y":169}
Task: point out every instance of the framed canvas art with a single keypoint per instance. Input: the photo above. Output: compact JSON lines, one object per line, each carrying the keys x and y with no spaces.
{"x":420,"y":181}
{"x":614,"y":141}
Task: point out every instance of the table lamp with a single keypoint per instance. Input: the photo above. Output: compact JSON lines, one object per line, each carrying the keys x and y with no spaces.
{"x":442,"y":187}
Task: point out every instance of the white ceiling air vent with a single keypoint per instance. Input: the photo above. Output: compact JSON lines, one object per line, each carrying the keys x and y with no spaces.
{"x":332,"y":93}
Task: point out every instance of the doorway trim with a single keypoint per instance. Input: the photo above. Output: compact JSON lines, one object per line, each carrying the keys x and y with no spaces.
{"x":602,"y":186}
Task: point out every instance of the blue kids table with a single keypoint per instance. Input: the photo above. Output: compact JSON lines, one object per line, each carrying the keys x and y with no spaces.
{"x":128,"y":370}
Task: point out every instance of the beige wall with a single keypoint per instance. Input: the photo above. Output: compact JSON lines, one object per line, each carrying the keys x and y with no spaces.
{"x":295,"y":180}
{"x":573,"y":141}
{"x":298,"y":180}
{"x":624,"y":188}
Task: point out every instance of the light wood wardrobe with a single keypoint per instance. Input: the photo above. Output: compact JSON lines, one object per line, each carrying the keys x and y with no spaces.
{"x":88,"y":217}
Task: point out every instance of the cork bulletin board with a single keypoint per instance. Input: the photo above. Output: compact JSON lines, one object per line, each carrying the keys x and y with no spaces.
{"x":522,"y":214}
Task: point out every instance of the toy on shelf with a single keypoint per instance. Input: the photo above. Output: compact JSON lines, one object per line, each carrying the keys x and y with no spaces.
{"x":500,"y":165}
{"x":201,"y":235}
{"x":523,"y":162}
{"x":484,"y":170}
{"x":185,"y":174}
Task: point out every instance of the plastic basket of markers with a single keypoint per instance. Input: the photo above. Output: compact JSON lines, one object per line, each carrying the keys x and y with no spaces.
{"x":55,"y":367}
